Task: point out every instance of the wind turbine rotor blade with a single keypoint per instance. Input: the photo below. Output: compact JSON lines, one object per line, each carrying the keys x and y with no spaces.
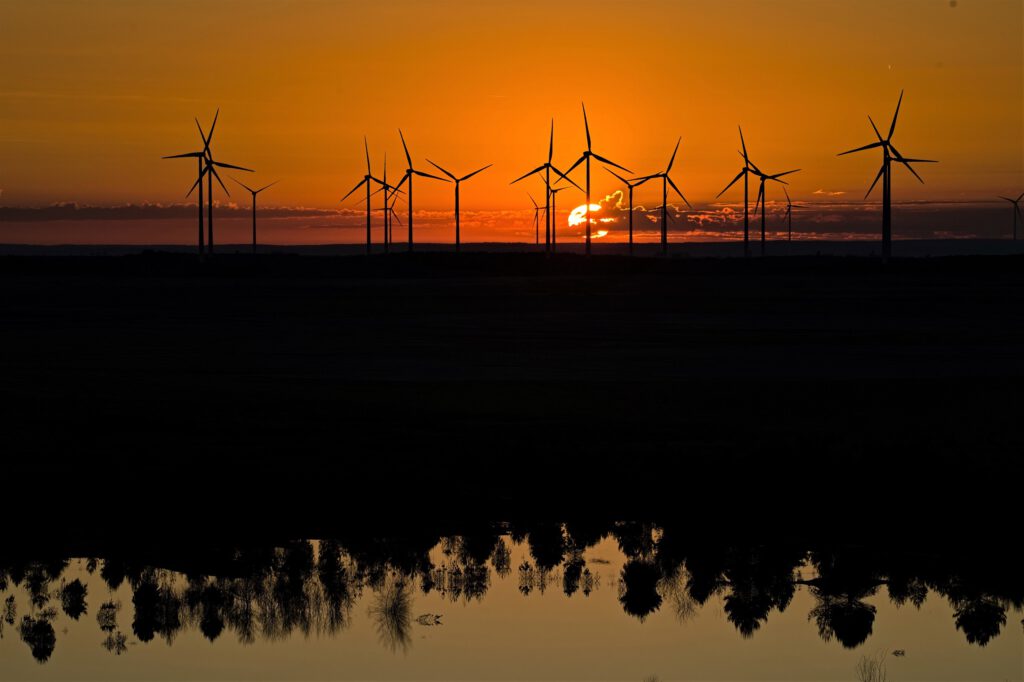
{"x":401,"y":182}
{"x":1007,"y":199}
{"x":551,"y":142}
{"x":743,"y":142}
{"x":526,"y":175}
{"x":206,"y":142}
{"x":228,"y":165}
{"x":760,"y":196}
{"x":789,"y":202}
{"x":586,"y":125}
{"x":194,"y":185}
{"x":779,"y":175}
{"x":610,"y":163}
{"x":911,"y":169}
{"x":673,"y":159}
{"x":875,"y":181}
{"x":1021,"y":196}
{"x":860,"y":149}
{"x":479,"y":170}
{"x":734,"y":181}
{"x":892,"y":128}
{"x":678,"y":192}
{"x":750,"y":164}
{"x":578,"y":162}
{"x":265,"y":186}
{"x":238,"y":182}
{"x":533,"y":200}
{"x":441,"y":169}
{"x":190,"y":155}
{"x":361,"y":183}
{"x":433,"y":177}
{"x":209,"y":138}
{"x":877,"y":134}
{"x":617,"y":176}
{"x":405,"y":147}
{"x":219,"y":181}
{"x":366,"y":148}
{"x":565,"y":176}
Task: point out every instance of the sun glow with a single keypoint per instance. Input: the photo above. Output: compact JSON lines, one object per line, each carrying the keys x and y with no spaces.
{"x":599,"y":234}
{"x":579,"y":214}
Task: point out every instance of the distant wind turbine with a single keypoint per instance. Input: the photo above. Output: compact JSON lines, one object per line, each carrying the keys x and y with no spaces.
{"x":409,"y":173}
{"x":665,"y":182}
{"x":631,"y":185}
{"x":745,"y":174}
{"x":585,"y":159}
{"x":789,"y":216}
{"x":762,"y":197}
{"x":1016,"y":211}
{"x":367,"y":179}
{"x":889,"y":154}
{"x":458,"y":181}
{"x":546,"y":168}
{"x":552,"y":193}
{"x":254,"y":192}
{"x":536,"y":219}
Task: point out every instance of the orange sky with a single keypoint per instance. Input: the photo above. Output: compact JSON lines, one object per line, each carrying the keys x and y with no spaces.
{"x":92,"y":94}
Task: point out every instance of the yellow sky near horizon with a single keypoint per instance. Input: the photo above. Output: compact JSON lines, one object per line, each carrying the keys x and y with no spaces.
{"x":92,"y":94}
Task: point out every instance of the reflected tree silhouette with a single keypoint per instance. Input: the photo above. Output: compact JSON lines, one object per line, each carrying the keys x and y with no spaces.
{"x":272,"y":592}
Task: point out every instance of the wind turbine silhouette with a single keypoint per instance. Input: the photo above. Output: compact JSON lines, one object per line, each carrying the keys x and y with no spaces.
{"x":889,"y":154}
{"x":553,"y":197}
{"x":547,"y":168}
{"x":409,"y":173}
{"x":254,"y":192}
{"x":1016,"y":211}
{"x":789,"y":216}
{"x":388,"y":208}
{"x":744,"y":173}
{"x":367,"y":179}
{"x":631,"y":185}
{"x":585,"y":158}
{"x":762,"y":198}
{"x":458,"y":181}
{"x":211,"y":172}
{"x":536,"y":219}
{"x":206,"y":166}
{"x":665,"y":182}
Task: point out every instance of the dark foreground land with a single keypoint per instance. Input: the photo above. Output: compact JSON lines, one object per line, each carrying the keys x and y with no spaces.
{"x":775,"y":395}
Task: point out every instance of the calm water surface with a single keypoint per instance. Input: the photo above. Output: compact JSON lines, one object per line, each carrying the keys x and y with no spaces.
{"x":549,"y":602}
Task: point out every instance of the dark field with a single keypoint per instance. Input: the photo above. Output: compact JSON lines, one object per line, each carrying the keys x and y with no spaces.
{"x":795,"y":391}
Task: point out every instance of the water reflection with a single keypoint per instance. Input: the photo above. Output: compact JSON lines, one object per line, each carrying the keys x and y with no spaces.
{"x":312,"y":587}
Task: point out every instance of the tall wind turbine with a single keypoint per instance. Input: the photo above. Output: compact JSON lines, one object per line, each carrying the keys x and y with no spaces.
{"x":367,"y":179}
{"x":409,"y":173}
{"x":665,"y":182}
{"x":630,"y":185}
{"x":199,"y":156}
{"x":546,"y":168}
{"x":458,"y":181}
{"x":552,"y":198}
{"x":211,"y":173}
{"x":744,"y":173}
{"x":889,"y":154}
{"x":1016,"y":211}
{"x":254,"y":192}
{"x":585,"y":159}
{"x":762,"y":198}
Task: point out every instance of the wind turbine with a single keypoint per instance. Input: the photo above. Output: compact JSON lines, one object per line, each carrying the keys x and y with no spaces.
{"x":1016,"y":211}
{"x":547,"y":168}
{"x":889,"y":154}
{"x":762,"y":198}
{"x":665,"y":182}
{"x":631,"y":185}
{"x":458,"y":181}
{"x":254,"y":192}
{"x":409,"y":173}
{"x":789,"y":216}
{"x":367,"y":179}
{"x":199,"y":156}
{"x":552,"y":193}
{"x":211,"y":172}
{"x":585,"y":158}
{"x":536,"y":219}
{"x":744,"y":173}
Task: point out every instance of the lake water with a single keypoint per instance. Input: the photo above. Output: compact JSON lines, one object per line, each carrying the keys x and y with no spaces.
{"x":629,"y":601}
